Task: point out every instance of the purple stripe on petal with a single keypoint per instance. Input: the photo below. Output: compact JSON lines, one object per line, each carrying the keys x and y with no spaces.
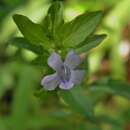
{"x":77,"y":76}
{"x":66,"y":85}
{"x":50,"y":82}
{"x":72,"y":60}
{"x":55,"y":62}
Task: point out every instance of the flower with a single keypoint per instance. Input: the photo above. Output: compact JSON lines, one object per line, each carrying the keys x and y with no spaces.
{"x":66,"y":75}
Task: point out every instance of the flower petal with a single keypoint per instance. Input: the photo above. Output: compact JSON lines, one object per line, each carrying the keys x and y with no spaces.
{"x":77,"y":76}
{"x":50,"y":82}
{"x":66,"y":85}
{"x":72,"y":60}
{"x":55,"y":62}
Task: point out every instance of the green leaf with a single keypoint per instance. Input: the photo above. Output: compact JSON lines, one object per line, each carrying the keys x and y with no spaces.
{"x":21,"y":102}
{"x":90,"y":43}
{"x":55,"y":13}
{"x":113,"y":87}
{"x":54,"y":19}
{"x":76,"y":31}
{"x":78,"y":102}
{"x":33,"y":32}
{"x":21,"y":42}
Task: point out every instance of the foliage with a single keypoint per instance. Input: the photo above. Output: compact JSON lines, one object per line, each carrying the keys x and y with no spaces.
{"x":100,"y":102}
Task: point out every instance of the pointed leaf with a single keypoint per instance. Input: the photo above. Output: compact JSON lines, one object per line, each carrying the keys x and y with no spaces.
{"x":21,"y":42}
{"x":32,"y":32}
{"x":76,"y":31}
{"x":56,"y":14}
{"x":90,"y":43}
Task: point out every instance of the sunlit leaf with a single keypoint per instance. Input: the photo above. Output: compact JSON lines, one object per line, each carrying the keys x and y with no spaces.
{"x":32,"y":32}
{"x":76,"y":31}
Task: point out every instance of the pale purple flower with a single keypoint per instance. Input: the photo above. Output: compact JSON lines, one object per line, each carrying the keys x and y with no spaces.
{"x":66,"y":75}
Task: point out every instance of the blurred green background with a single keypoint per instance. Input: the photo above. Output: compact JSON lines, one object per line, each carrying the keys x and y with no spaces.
{"x":24,"y":105}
